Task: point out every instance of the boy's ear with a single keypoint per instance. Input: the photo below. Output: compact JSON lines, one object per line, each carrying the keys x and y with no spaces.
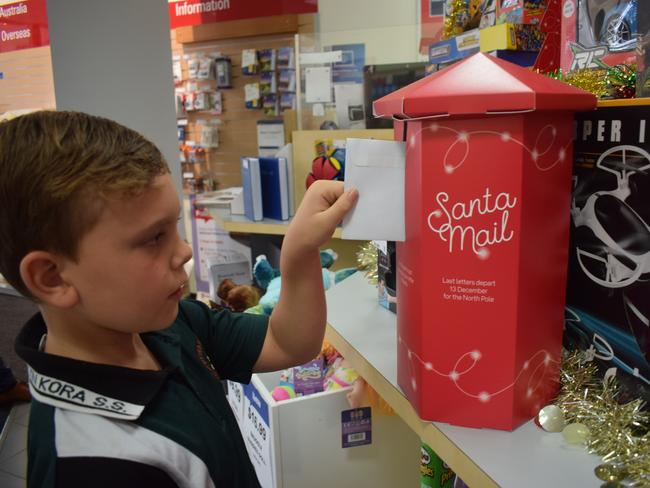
{"x":41,"y":273}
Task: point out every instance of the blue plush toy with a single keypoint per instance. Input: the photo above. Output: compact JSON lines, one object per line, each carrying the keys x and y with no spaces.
{"x":267,"y":277}
{"x":263,"y":272}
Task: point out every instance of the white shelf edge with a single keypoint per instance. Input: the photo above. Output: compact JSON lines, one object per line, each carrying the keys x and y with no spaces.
{"x":527,"y":456}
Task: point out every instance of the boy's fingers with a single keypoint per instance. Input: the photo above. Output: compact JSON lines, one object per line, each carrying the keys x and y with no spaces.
{"x":328,"y":192}
{"x":342,"y":205}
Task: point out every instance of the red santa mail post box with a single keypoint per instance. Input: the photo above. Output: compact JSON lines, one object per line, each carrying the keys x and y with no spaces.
{"x":481,"y":275}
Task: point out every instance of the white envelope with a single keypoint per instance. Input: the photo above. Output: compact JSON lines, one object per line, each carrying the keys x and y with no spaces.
{"x":376,"y":168}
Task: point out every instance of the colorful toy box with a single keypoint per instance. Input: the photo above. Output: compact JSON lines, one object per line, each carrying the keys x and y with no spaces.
{"x":521,"y":37}
{"x":458,"y":47}
{"x":520,"y":11}
{"x":598,"y":33}
{"x":608,"y":310}
{"x":386,"y":274}
{"x":481,"y":274}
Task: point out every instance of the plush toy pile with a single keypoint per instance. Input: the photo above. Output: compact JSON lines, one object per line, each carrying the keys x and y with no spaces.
{"x":328,"y":371}
{"x":336,"y":374}
{"x":268,"y":279}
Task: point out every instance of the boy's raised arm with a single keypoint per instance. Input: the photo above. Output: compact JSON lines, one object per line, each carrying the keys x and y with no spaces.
{"x":297,"y":324}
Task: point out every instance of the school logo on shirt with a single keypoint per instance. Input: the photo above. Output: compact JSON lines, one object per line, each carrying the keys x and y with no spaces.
{"x":62,"y":394}
{"x":205,"y":359}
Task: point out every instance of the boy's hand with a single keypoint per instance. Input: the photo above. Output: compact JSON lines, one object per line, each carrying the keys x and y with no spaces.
{"x":321,"y":210}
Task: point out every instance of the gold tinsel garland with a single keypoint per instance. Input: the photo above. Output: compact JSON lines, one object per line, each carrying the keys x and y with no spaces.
{"x":618,"y":432}
{"x":591,"y":80}
{"x":367,"y":261}
{"x":456,"y":17}
{"x":614,"y":82}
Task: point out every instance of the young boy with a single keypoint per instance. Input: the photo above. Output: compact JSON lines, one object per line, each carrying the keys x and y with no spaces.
{"x":124,"y":373}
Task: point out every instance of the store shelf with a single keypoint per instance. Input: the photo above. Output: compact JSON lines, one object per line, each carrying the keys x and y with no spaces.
{"x":239,"y":223}
{"x":365,"y":334}
{"x":243,"y":225}
{"x":624,"y":102}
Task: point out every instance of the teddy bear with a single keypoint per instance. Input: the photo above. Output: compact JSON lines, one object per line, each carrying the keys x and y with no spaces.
{"x":237,"y":297}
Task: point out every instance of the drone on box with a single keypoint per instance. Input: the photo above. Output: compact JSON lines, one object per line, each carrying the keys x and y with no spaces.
{"x":614,"y":252}
{"x":623,"y":234}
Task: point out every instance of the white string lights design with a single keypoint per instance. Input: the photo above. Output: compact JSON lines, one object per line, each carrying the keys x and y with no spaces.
{"x":541,"y":359}
{"x":537,"y":153}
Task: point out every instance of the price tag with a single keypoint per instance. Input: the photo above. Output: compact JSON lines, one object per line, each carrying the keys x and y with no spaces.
{"x":236,"y":400}
{"x":257,"y":434}
{"x":356,"y":427}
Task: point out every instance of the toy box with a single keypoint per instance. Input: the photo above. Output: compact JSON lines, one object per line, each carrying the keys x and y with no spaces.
{"x":520,"y":58}
{"x":488,"y":9}
{"x":300,"y":439}
{"x":456,"y":48}
{"x":521,"y":37}
{"x":608,"y":306}
{"x":386,"y":274}
{"x":520,"y":11}
{"x":481,"y":274}
{"x":597,"y":33}
{"x":643,"y":53}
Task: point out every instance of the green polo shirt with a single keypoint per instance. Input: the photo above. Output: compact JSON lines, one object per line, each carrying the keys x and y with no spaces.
{"x":98,"y":425}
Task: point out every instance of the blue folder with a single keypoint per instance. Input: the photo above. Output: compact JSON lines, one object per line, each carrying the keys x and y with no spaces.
{"x":275,"y":188}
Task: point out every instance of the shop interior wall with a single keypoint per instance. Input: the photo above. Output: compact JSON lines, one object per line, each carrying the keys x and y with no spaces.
{"x":389,"y":28}
{"x":238,"y":127}
{"x":27,"y":81}
{"x":114,"y":59}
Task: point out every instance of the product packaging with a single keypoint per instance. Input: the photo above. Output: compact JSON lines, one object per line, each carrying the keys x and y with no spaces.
{"x":267,"y":58}
{"x":456,"y":48}
{"x":249,"y":62}
{"x":520,"y":11}
{"x":434,"y":472}
{"x":223,"y":72}
{"x":643,"y":53}
{"x":608,"y":306}
{"x":308,"y":377}
{"x":598,"y":34}
{"x":386,"y":274}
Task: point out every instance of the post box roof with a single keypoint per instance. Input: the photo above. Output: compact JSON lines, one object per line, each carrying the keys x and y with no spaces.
{"x":481,"y":84}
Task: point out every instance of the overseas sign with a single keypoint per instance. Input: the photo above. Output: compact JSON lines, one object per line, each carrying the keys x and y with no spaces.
{"x":23,"y":25}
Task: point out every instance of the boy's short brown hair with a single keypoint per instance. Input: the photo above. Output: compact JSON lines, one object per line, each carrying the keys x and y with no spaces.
{"x":56,"y":170}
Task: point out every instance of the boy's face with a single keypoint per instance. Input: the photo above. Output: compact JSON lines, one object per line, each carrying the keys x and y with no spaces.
{"x":129,"y":272}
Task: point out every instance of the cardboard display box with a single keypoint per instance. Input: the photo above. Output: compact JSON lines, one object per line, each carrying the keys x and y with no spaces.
{"x":298,"y":442}
{"x":520,"y":11}
{"x":608,"y":306}
{"x":387,"y":274}
{"x":521,"y":37}
{"x":458,"y":47}
{"x":598,"y":33}
{"x":481,"y":274}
